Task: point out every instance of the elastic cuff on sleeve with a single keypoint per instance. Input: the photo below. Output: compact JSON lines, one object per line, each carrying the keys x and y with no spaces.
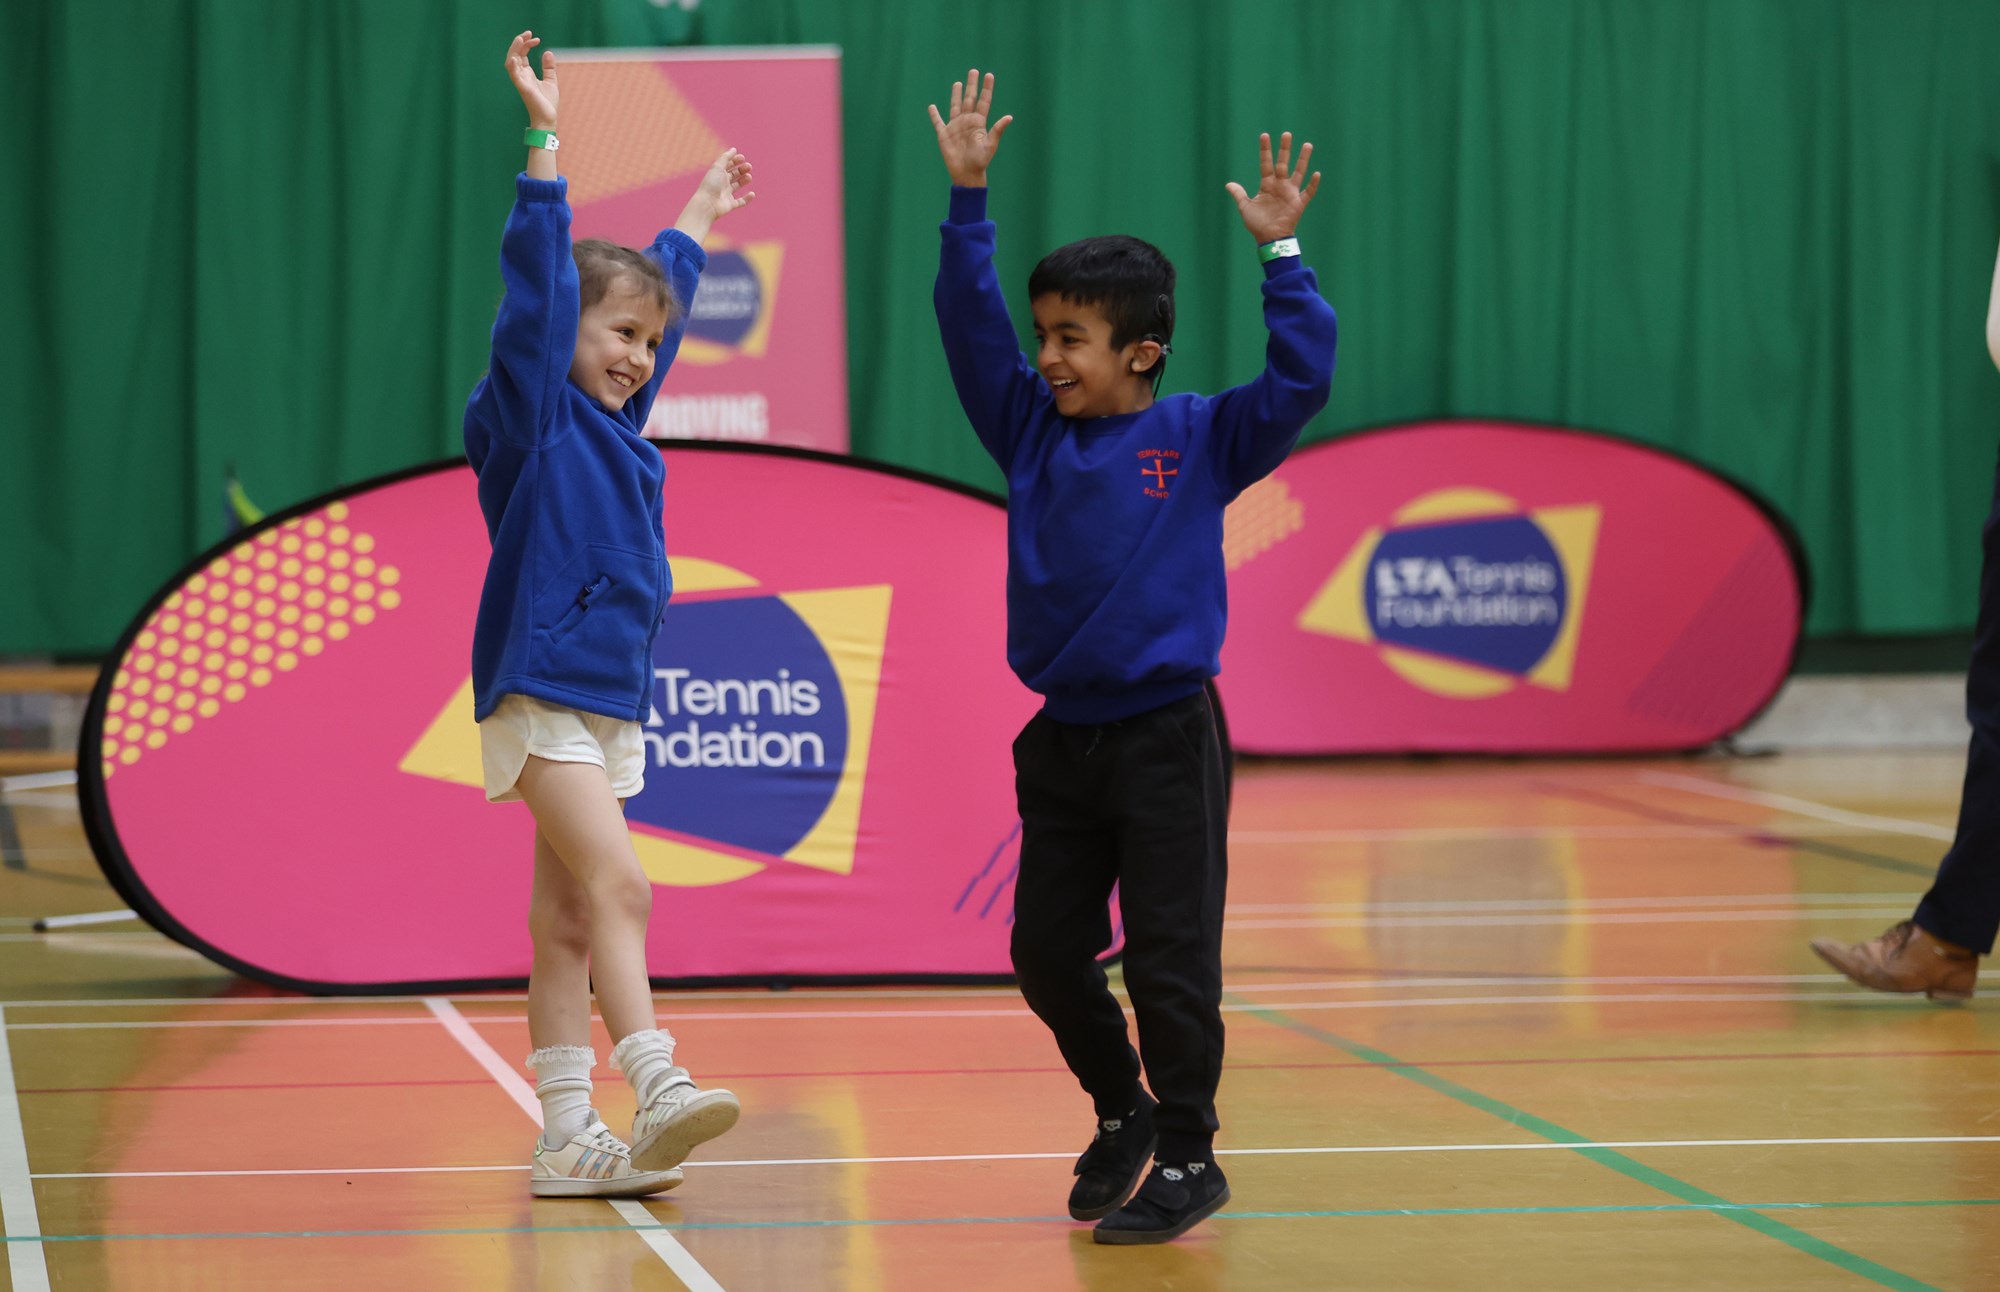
{"x":968,"y":205}
{"x":540,"y":190}
{"x":1283,"y":265}
{"x":687,"y":248}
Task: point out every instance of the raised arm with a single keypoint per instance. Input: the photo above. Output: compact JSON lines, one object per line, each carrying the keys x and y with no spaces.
{"x":996,"y":386}
{"x":534,"y":334}
{"x":724,"y":187}
{"x":680,"y":254}
{"x":1257,"y":424}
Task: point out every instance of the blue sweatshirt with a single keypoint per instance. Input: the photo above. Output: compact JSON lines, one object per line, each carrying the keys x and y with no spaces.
{"x":578,"y":580}
{"x":1115,"y":596}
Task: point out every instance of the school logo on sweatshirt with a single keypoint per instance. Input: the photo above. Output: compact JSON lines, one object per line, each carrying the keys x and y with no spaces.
{"x":1466,"y":595}
{"x":758,"y":736}
{"x":1157,"y":469}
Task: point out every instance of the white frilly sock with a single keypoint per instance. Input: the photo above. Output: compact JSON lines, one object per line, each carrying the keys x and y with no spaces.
{"x":562,"y":1083}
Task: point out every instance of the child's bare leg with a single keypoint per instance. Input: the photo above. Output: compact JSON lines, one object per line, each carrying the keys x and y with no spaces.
{"x":575,"y":810}
{"x":559,"y":924}
{"x":559,"y":998}
{"x":580,"y":820}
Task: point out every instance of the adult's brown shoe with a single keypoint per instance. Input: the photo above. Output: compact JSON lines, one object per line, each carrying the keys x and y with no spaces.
{"x":1905,"y":959}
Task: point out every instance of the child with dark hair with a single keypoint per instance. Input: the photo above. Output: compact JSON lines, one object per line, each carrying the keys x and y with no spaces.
{"x":1115,"y":615}
{"x":562,"y":664}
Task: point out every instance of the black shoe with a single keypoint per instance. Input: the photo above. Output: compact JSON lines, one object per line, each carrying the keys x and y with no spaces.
{"x":1114,"y":1163}
{"x":1172,"y":1201}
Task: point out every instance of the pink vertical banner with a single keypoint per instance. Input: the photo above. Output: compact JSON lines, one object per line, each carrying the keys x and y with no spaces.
{"x":765,"y":357}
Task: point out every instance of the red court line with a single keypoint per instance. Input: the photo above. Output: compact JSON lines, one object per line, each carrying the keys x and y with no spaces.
{"x":1774,"y":1057}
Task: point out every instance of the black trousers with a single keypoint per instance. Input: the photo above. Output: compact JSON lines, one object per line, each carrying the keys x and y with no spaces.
{"x":1142,"y":804}
{"x":1963,"y":905}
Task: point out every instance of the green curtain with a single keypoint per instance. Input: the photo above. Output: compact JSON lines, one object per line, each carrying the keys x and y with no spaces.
{"x":1756,"y":232}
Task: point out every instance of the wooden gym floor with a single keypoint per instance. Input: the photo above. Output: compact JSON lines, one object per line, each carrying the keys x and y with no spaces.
{"x":1492,"y":1025}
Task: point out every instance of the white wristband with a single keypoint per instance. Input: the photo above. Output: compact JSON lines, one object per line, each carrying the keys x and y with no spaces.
{"x":1281,"y":247}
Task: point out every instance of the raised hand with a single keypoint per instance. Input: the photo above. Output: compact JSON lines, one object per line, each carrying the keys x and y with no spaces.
{"x":538,"y":95}
{"x":722,"y":187}
{"x":721,"y":191}
{"x":1282,"y":193}
{"x":964,"y":139}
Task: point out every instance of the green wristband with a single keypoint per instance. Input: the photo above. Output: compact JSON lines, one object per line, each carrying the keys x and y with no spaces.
{"x":1281,"y":247}
{"x":545,"y":139}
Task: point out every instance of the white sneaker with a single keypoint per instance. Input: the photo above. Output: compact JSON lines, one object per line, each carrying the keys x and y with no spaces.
{"x":681,"y":1116}
{"x":595,"y":1164}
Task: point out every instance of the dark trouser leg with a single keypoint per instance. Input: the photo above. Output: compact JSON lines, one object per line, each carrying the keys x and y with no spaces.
{"x":1963,"y":905}
{"x":1173,"y":869}
{"x":1061,"y":918}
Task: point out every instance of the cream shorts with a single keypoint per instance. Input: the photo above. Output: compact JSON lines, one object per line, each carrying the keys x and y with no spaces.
{"x":521,"y":725}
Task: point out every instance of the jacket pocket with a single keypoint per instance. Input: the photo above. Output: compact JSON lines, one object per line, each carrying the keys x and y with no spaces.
{"x":596,"y":619}
{"x":574,"y":612}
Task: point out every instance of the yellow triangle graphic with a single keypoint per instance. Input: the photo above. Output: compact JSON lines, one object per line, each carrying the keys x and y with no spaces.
{"x":1572,"y":532}
{"x":1337,"y":609}
{"x":853,"y":625}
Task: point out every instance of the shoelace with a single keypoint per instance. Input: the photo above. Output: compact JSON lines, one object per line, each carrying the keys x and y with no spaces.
{"x":609,"y":1142}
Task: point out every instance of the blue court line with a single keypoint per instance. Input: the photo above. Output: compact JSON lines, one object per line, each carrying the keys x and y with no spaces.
{"x":1699,"y":1198}
{"x":1362,"y":1213}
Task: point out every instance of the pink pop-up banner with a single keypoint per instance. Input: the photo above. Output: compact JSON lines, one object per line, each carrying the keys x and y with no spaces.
{"x":281,"y":767}
{"x":1487,"y":587}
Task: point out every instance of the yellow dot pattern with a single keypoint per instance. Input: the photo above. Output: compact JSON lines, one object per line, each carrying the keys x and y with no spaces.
{"x":600,"y":101}
{"x":1263,"y":516}
{"x":251,"y":614}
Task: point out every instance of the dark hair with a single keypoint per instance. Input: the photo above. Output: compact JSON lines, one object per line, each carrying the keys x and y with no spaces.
{"x":600,"y":264}
{"x":1127,"y":280}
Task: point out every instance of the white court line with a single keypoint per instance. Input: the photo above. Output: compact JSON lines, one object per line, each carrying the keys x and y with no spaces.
{"x":1535,"y":980}
{"x":836,"y":1015}
{"x":27,"y":1266}
{"x":1323,"y":1150}
{"x":28,"y":798}
{"x":940,"y":993}
{"x":317,"y":1170}
{"x":1479,"y":833}
{"x":1800,"y":807}
{"x":1523,"y":920}
{"x":668,"y":1248}
{"x":1578,"y":903}
{"x":36,"y":781}
{"x":103,"y":933}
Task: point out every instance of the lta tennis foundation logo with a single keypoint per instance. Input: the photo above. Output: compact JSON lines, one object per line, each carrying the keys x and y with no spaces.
{"x":763,"y":711}
{"x":1465,"y":594}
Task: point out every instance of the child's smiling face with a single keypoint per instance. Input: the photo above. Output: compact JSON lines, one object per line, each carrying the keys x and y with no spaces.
{"x":615,"y":343}
{"x":1074,"y":355}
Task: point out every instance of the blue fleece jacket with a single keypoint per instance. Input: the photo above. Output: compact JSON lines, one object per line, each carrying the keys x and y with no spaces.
{"x":578,"y":580}
{"x":1115,"y":596}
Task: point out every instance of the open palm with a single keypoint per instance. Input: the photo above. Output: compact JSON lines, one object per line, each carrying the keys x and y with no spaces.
{"x":723,"y":186}
{"x":964,"y":139}
{"x":1274,"y":212}
{"x":539,"y":95}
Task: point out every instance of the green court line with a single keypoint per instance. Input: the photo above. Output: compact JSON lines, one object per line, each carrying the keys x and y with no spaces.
{"x":1701,"y":1199}
{"x":1366,"y":1213}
